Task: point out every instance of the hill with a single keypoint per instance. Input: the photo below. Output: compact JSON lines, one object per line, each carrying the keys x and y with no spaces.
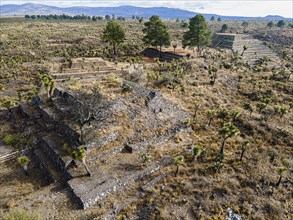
{"x":125,"y":11}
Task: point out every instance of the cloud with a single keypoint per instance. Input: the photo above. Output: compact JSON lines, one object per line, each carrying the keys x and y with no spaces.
{"x":221,"y":7}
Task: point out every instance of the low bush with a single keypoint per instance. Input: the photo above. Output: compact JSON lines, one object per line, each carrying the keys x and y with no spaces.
{"x":21,"y":215}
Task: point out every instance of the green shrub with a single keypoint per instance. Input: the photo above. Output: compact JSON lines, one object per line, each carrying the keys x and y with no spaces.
{"x":21,"y":215}
{"x":10,"y":139}
{"x":125,"y":87}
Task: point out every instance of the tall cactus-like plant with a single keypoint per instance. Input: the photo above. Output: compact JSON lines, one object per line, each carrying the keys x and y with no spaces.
{"x":222,"y":113}
{"x":211,"y":114}
{"x":197,"y":106}
{"x":281,"y":172}
{"x":236,"y":114}
{"x":277,"y":109}
{"x":248,"y":106}
{"x":196,"y":151}
{"x":283,"y":111}
{"x":49,"y":85}
{"x":179,"y":160}
{"x":260,"y":106}
{"x":24,"y":161}
{"x":244,"y":49}
{"x":228,"y":130}
{"x":80,"y":155}
{"x":244,"y":146}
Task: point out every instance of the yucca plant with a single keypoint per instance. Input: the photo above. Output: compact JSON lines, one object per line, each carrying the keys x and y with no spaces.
{"x":49,"y":85}
{"x":80,"y":155}
{"x":179,"y":160}
{"x":260,"y":106}
{"x":196,"y":108}
{"x":23,"y":161}
{"x":290,"y":105}
{"x":228,"y":130}
{"x":244,"y":49}
{"x":244,"y":146}
{"x":196,"y":151}
{"x":248,"y":107}
{"x":211,"y":114}
{"x":145,"y":157}
{"x":281,"y":172}
{"x":277,"y":109}
{"x":283,"y":111}
{"x":236,"y":114}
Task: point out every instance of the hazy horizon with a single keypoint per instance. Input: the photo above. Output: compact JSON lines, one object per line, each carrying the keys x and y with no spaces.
{"x":249,"y":8}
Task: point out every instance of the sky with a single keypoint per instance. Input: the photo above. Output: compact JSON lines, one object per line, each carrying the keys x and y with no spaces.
{"x":220,"y":7}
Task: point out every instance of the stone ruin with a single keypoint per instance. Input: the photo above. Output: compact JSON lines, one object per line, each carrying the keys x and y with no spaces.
{"x":255,"y":48}
{"x":165,"y":56}
{"x":140,"y":120}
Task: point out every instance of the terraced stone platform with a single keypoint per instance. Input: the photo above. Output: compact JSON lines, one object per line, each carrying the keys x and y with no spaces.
{"x":141,"y":119}
{"x":255,"y":48}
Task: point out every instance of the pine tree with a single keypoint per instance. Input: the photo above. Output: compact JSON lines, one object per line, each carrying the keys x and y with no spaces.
{"x":244,"y":25}
{"x":156,"y":33}
{"x":270,"y":24}
{"x":224,"y":28}
{"x":113,"y":34}
{"x":198,"y":34}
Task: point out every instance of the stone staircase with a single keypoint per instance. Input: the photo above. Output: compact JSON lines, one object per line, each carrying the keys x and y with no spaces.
{"x":255,"y":48}
{"x":113,"y":169}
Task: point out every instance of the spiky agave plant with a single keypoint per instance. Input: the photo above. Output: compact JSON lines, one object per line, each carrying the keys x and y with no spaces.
{"x":23,"y":161}
{"x":80,"y":155}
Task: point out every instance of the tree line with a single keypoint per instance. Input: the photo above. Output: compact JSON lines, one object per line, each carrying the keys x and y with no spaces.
{"x":75,"y":17}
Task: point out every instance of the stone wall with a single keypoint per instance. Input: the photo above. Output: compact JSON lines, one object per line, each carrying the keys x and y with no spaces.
{"x":165,"y":56}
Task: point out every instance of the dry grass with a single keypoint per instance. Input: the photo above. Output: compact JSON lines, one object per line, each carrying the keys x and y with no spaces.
{"x":198,"y":192}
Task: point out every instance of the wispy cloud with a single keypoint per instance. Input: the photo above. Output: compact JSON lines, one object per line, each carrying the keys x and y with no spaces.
{"x":222,"y":7}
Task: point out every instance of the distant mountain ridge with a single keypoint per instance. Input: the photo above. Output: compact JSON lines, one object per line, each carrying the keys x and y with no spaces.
{"x":125,"y":11}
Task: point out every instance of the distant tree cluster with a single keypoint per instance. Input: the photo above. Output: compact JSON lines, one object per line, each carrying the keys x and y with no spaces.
{"x":75,"y":17}
{"x":156,"y":34}
{"x":213,"y":18}
{"x":140,"y":19}
{"x":280,"y":24}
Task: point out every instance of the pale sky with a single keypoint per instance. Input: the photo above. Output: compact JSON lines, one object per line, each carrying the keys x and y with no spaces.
{"x":220,"y":7}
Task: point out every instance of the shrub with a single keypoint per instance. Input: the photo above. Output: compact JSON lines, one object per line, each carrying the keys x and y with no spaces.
{"x":21,"y":215}
{"x":10,"y":139}
{"x":125,"y":87}
{"x":187,"y":121}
